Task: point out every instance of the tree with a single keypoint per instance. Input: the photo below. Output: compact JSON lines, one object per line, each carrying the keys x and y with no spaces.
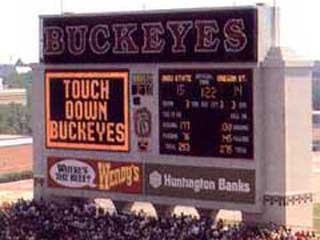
{"x":14,"y":80}
{"x":316,"y":95}
{"x":15,"y":119}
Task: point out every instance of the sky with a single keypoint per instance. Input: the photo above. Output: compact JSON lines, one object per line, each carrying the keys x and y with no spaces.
{"x":19,"y":21}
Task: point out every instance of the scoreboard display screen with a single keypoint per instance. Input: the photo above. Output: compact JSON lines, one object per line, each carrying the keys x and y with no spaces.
{"x":87,"y":110}
{"x":206,"y":113}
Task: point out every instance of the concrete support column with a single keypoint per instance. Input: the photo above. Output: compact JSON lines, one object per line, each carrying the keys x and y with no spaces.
{"x":39,"y":163}
{"x":208,"y":213}
{"x":163,"y":210}
{"x":38,"y":183}
{"x":122,"y":206}
{"x":287,"y":130}
{"x":251,"y":218}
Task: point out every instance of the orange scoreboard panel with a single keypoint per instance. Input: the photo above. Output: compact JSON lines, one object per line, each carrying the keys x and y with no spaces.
{"x":87,"y":110}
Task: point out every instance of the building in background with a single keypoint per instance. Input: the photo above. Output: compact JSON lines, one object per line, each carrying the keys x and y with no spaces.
{"x":14,"y":95}
{"x":12,"y":84}
{"x":22,"y":68}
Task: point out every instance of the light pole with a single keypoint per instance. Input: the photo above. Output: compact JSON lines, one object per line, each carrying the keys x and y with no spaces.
{"x":61,"y":6}
{"x":276,"y":23}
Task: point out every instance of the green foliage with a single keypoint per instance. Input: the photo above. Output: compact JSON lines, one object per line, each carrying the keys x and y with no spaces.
{"x":316,"y":210}
{"x":316,"y":95}
{"x":316,"y":216}
{"x":15,"y":119}
{"x":14,"y":80}
{"x":27,"y":84}
{"x":16,"y":176}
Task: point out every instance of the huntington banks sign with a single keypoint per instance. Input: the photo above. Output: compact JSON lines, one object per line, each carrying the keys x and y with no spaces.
{"x":226,"y":35}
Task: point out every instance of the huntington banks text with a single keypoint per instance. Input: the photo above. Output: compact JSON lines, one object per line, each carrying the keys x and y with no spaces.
{"x":85,"y":117}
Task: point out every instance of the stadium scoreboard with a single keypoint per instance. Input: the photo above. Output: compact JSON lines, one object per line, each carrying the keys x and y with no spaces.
{"x":155,"y":106}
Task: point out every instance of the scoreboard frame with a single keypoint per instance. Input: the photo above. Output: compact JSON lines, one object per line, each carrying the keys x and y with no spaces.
{"x":150,"y":64}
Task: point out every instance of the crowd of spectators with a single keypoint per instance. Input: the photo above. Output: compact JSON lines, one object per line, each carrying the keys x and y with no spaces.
{"x":40,"y":221}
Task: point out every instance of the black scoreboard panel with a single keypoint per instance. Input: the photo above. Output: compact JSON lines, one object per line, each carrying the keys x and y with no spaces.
{"x":206,"y":113}
{"x":212,"y":35}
